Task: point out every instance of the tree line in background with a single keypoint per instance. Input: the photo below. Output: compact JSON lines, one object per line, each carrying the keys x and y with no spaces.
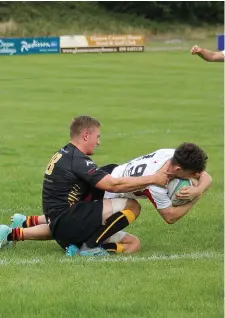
{"x":195,"y":12}
{"x":178,"y":11}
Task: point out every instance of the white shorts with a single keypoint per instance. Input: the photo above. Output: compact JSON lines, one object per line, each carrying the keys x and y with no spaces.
{"x":118,"y":204}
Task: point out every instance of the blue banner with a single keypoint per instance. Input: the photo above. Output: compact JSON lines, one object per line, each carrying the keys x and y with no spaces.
{"x":41,"y":45}
{"x":220,"y":42}
{"x":8,"y":46}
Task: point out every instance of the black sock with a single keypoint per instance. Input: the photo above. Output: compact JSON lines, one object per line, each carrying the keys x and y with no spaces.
{"x":113,"y":224}
{"x":113,"y":247}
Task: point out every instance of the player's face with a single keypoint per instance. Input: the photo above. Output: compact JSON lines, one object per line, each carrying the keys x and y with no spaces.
{"x":92,"y":140}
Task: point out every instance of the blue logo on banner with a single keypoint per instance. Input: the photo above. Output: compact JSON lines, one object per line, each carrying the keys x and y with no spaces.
{"x":41,"y":45}
{"x":54,"y":44}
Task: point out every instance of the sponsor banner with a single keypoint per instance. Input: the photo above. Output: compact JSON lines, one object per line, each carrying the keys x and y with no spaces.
{"x":74,"y":50}
{"x":41,"y":45}
{"x":115,"y":40}
{"x":8,"y":46}
{"x":220,"y":42}
{"x":73,"y":41}
{"x":81,"y":41}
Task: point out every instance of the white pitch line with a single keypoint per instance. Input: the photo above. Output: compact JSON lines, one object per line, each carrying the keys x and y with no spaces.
{"x":130,"y":258}
{"x":121,"y":259}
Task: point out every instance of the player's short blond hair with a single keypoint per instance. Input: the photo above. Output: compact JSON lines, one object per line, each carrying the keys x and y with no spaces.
{"x":82,"y":122}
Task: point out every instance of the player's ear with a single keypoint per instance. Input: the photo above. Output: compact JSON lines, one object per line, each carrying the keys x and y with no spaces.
{"x":177,"y":168}
{"x":84,"y":134}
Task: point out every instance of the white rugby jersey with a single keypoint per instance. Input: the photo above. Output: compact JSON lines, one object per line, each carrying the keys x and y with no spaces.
{"x":144,"y":166}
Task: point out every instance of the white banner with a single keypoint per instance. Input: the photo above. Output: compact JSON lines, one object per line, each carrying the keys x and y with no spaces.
{"x":101,"y":43}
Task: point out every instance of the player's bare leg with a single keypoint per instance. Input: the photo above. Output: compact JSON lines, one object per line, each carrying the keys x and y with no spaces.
{"x":39,"y":232}
{"x":130,"y":210}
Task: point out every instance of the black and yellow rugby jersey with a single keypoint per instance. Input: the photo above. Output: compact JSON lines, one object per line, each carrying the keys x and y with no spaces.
{"x":68,"y":179}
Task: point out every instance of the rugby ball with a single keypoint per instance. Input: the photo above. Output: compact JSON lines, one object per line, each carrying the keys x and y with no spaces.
{"x":174,"y":186}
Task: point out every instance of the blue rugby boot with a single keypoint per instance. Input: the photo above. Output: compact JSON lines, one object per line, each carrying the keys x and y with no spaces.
{"x":71,"y":250}
{"x":17,"y":220}
{"x":96,"y":251}
{"x":5,"y":230}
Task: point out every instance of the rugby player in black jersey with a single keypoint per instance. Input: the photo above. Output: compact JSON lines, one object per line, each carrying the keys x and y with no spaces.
{"x":68,"y":179}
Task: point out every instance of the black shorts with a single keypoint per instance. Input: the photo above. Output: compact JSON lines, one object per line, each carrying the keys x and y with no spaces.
{"x":78,"y":223}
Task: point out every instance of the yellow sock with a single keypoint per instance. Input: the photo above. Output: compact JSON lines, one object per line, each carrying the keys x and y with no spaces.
{"x":129,"y":215}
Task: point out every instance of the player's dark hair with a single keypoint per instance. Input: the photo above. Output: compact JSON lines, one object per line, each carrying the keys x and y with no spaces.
{"x":81,"y":122}
{"x":190,"y":157}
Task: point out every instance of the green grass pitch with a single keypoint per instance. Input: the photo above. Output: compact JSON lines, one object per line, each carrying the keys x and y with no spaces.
{"x":145,"y":102}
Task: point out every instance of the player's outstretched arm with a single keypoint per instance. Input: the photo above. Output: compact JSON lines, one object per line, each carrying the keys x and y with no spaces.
{"x":207,"y":55}
{"x":130,"y":184}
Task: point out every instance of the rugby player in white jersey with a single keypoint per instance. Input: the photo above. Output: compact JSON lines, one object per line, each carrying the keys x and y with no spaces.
{"x":188,"y":161}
